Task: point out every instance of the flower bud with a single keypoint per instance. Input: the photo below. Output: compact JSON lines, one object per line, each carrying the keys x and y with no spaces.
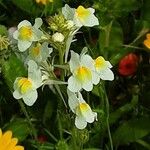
{"x":58,"y":37}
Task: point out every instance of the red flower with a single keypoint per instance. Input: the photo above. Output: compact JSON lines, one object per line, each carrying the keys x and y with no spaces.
{"x":128,"y":64}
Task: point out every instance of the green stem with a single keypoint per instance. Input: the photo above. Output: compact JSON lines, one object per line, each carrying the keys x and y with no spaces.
{"x":107,"y":118}
{"x":61,"y":62}
{"x":101,"y":95}
{"x":28,"y":118}
{"x":144,"y":144}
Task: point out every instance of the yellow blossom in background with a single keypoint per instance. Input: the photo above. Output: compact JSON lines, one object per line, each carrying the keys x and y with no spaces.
{"x":147,"y":41}
{"x":44,"y":2}
{"x":9,"y":143}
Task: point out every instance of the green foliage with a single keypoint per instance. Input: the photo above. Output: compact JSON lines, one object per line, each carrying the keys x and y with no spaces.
{"x":3,"y":30}
{"x":35,"y":9}
{"x":132,"y":130}
{"x":145,"y":15}
{"x":20,"y":128}
{"x":123,"y":25}
{"x":111,"y":37}
{"x":8,"y":67}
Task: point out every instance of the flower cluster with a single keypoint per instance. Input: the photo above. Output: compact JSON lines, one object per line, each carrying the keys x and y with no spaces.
{"x":85,"y":71}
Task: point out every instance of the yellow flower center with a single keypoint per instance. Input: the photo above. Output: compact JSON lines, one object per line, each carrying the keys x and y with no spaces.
{"x":83,"y":107}
{"x":83,"y":74}
{"x":100,"y":63}
{"x":35,"y":51}
{"x":25,"y":85}
{"x":25,"y":33}
{"x":82,"y":13}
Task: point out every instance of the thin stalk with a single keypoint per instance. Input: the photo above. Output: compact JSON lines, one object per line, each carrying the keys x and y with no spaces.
{"x":107,"y":122}
{"x":107,"y":118}
{"x":51,"y":135}
{"x":144,"y":144}
{"x":61,"y":62}
{"x":28,"y":118}
{"x":101,"y":95}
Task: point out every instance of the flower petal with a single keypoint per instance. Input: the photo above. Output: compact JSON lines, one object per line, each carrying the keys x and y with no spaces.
{"x":34,"y":73}
{"x":106,"y":74}
{"x":24,"y":23}
{"x":12,"y":144}
{"x":72,"y":100}
{"x":95,"y":78}
{"x":23,"y":45}
{"x":80,"y":122}
{"x":17,"y":94}
{"x":87,"y":61}
{"x":37,"y":34}
{"x":88,"y":86}
{"x":30,"y":97}
{"x":73,"y":84}
{"x":5,"y":139}
{"x":38,"y":23}
{"x":18,"y":148}
{"x":68,"y":12}
{"x":15,"y":34}
{"x":74,"y":61}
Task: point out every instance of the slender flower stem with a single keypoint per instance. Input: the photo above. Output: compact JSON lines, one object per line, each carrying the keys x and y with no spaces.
{"x":107,"y":118}
{"x":28,"y":118}
{"x":107,"y":122}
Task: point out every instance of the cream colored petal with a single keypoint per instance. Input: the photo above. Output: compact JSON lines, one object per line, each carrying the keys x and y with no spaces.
{"x":23,"y":45}
{"x":37,"y":34}
{"x":30,"y":97}
{"x":80,"y":122}
{"x":91,"y":10}
{"x":17,"y":94}
{"x":106,"y":74}
{"x":34,"y":73}
{"x":45,"y":51}
{"x":109,"y":64}
{"x":77,"y":22}
{"x":87,"y":61}
{"x":74,"y":61}
{"x":68,"y":12}
{"x":88,"y":86}
{"x":38,"y":23}
{"x":24,"y":23}
{"x":15,"y":34}
{"x":72,"y":100}
{"x":73,"y":84}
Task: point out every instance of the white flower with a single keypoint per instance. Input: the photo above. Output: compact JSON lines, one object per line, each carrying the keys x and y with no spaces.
{"x":83,"y":112}
{"x":58,"y":37}
{"x":80,"y":16}
{"x":83,"y":72}
{"x":25,"y":88}
{"x":70,"y":24}
{"x":39,"y":52}
{"x":102,"y":68}
{"x":27,"y":33}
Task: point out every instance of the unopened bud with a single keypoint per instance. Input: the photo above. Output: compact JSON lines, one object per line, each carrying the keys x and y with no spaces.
{"x":58,"y":37}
